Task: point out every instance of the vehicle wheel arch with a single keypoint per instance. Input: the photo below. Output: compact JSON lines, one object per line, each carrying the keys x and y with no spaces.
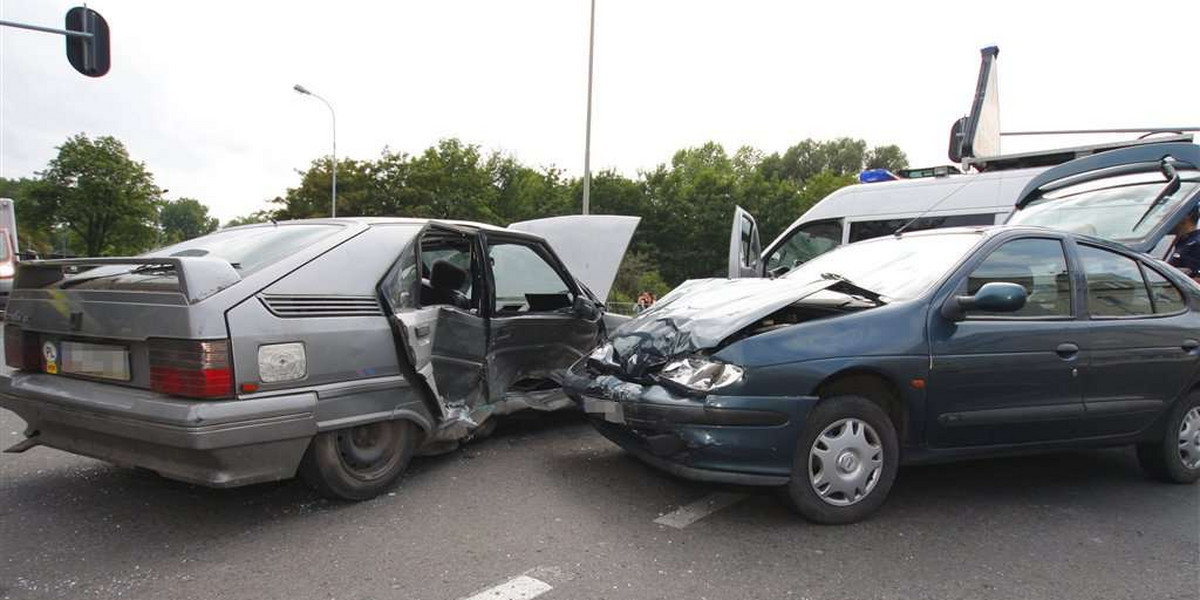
{"x":872,"y":385}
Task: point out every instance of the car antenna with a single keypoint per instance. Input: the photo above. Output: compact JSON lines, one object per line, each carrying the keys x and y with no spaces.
{"x":273,"y":222}
{"x":909,"y":223}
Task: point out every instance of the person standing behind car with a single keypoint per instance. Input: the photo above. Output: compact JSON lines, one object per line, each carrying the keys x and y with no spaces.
{"x":1185,"y":251}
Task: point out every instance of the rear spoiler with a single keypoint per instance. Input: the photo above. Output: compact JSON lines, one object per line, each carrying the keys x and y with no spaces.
{"x":199,"y":276}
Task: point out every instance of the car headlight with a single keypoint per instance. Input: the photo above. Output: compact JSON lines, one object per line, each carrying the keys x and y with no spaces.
{"x":603,"y":356}
{"x":701,"y":374}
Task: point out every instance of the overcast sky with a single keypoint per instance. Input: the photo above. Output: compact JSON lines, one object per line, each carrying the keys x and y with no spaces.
{"x":201,"y":91}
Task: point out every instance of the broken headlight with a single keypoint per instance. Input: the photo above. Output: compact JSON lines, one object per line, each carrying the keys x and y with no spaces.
{"x":603,"y":357}
{"x":701,"y":374}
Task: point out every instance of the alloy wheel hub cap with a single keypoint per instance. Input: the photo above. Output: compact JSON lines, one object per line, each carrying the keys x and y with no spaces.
{"x":845,"y":462}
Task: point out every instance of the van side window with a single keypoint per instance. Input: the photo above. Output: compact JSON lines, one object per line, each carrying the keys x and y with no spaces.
{"x":805,"y":243}
{"x":865,"y":230}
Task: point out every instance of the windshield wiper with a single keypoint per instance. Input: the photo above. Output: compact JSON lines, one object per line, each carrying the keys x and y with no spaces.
{"x":853,"y":288}
{"x":1173,"y":183}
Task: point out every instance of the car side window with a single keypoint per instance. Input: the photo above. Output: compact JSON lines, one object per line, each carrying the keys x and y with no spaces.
{"x":1037,"y":264}
{"x":805,"y":243}
{"x":1166,"y":297}
{"x":1115,"y":286}
{"x":750,"y":244}
{"x":525,"y":281}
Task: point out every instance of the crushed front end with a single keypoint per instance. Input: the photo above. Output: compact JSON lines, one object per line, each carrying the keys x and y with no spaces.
{"x":722,"y":437}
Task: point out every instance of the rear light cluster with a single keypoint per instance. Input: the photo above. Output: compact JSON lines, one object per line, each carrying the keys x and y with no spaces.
{"x":21,"y":349}
{"x":191,"y":368}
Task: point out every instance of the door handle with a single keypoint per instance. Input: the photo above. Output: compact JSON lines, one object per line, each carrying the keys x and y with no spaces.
{"x":1067,"y":351}
{"x":421,"y":330}
{"x":1190,"y":345}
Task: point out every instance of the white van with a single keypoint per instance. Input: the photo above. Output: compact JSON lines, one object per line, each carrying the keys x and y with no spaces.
{"x":936,"y":197}
{"x":869,"y":210}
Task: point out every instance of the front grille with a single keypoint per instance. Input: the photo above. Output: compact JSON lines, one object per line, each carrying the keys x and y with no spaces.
{"x":322,"y":306}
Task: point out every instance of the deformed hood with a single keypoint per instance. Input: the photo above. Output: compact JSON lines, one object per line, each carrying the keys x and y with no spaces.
{"x":700,"y":314}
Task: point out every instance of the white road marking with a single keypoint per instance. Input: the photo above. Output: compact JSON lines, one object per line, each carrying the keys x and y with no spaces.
{"x":517,"y":588}
{"x":686,"y":515}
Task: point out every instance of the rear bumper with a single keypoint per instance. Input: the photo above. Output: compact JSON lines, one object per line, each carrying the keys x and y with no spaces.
{"x":214,"y":443}
{"x":746,"y":440}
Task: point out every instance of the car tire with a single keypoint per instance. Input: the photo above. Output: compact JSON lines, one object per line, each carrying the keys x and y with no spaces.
{"x":838,"y":479}
{"x":1176,"y":457}
{"x":359,"y":463}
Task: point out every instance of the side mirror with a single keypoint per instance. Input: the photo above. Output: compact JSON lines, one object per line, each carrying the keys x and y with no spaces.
{"x":585,"y":308}
{"x":996,"y":297}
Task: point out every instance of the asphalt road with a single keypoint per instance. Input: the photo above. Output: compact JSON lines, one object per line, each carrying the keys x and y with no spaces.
{"x":549,"y":498}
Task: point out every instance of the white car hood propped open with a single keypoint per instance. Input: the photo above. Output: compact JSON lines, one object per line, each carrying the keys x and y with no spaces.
{"x":591,"y":246}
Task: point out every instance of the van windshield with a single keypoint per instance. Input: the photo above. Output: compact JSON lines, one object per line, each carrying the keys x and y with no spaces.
{"x":1109,"y":208}
{"x":896,"y":268}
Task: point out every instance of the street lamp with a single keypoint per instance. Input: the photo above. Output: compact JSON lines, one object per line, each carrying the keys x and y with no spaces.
{"x":333,"y":190}
{"x":587,"y":144}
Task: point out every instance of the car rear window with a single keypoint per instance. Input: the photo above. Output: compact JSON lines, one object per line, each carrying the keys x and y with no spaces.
{"x":252,"y":248}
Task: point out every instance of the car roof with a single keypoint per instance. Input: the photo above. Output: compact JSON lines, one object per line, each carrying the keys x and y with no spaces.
{"x":372,"y":221}
{"x":990,"y":231}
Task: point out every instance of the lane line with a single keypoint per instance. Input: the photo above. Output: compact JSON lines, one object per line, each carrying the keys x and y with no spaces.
{"x":517,"y":588}
{"x":686,"y":515}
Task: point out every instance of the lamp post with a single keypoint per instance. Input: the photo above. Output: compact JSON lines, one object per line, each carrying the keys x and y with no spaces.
{"x":587,"y":144}
{"x":333,"y":116}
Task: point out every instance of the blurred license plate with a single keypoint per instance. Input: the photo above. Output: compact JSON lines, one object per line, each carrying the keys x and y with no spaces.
{"x":94,"y":360}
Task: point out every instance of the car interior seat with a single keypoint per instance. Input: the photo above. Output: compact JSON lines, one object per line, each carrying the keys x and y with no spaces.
{"x":446,"y":282}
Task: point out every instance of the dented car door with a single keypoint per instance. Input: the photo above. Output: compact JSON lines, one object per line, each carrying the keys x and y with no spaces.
{"x":433,"y":294}
{"x":539,"y":322}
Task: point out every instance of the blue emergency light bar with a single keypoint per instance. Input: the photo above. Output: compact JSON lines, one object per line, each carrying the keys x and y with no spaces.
{"x":876,"y":175}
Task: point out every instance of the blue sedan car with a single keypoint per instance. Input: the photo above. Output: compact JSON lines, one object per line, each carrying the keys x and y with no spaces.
{"x":1060,"y":330}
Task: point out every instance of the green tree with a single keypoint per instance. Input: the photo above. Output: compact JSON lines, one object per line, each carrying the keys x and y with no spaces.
{"x":258,"y":216}
{"x":889,"y":157}
{"x":184,"y":219}
{"x":108,"y":201}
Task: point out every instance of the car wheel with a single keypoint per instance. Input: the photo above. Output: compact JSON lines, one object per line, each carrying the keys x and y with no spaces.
{"x":1176,"y":458}
{"x":846,"y":460}
{"x":358,"y":463}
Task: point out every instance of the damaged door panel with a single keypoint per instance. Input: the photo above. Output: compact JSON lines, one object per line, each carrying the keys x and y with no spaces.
{"x":745,"y":251}
{"x":535,"y":331}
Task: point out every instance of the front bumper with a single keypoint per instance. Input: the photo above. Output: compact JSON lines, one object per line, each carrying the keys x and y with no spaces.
{"x":747,"y":440}
{"x":214,"y":443}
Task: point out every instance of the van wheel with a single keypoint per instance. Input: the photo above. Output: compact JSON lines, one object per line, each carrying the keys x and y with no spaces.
{"x":846,"y":460}
{"x":1176,"y":458}
{"x":359,"y":463}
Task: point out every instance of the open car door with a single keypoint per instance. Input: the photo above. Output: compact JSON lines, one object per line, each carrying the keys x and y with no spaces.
{"x":745,"y":251}
{"x":1134,"y":196}
{"x":590,"y":246}
{"x":434,"y":313}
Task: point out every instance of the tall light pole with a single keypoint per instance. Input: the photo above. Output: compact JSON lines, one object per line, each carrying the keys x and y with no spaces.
{"x":333,"y":116}
{"x":587,"y":144}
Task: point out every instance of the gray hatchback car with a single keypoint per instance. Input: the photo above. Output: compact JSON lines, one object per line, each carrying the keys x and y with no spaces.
{"x":334,"y":348}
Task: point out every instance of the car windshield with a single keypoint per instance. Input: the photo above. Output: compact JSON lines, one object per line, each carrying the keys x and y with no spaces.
{"x":896,"y":268}
{"x":1110,"y":208}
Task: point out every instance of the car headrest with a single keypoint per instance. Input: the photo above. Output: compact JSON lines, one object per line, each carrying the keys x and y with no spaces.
{"x":446,"y":275}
